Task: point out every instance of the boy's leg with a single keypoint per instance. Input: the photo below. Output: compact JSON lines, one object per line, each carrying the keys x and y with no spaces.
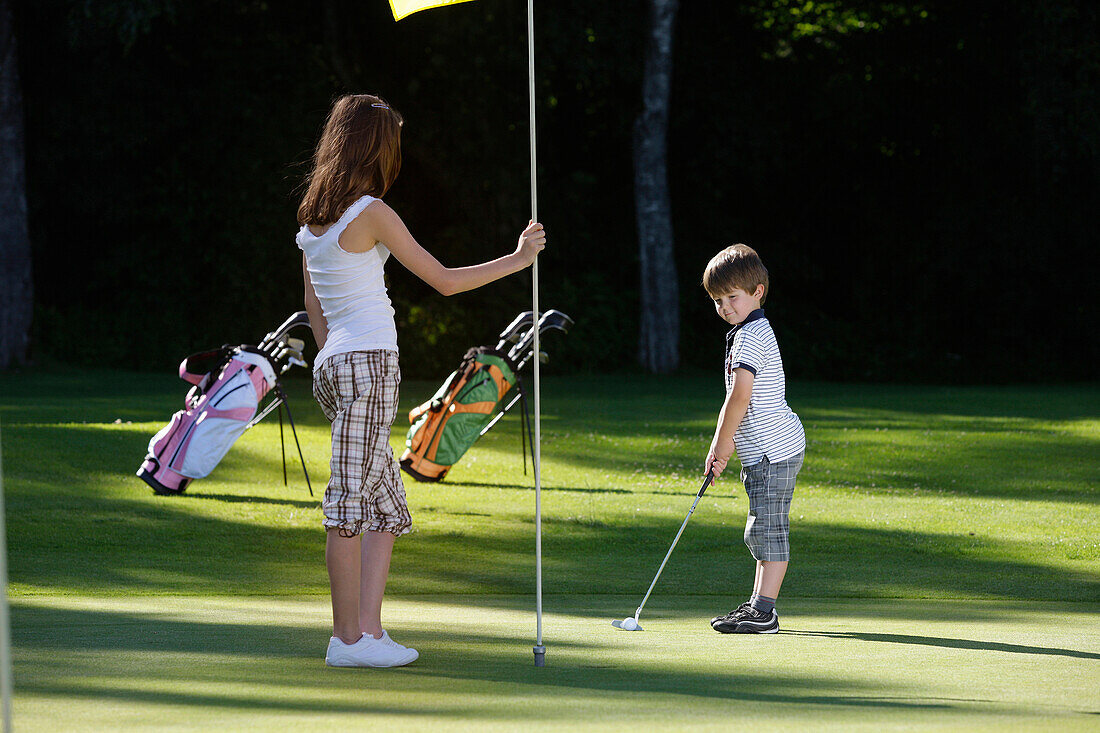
{"x":771,"y":585}
{"x":769,"y":488}
{"x":772,"y":546}
{"x":342,"y":557}
{"x":752,"y":599}
{"x":759,"y":578}
{"x":769,"y":577}
{"x":749,"y":478}
{"x":375,"y":563}
{"x":769,"y":580}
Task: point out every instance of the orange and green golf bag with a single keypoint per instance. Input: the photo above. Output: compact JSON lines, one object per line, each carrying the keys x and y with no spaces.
{"x":460,"y":412}
{"x":473,"y":399}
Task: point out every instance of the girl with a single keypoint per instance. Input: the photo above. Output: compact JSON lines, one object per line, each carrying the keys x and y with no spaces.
{"x":347,"y":234}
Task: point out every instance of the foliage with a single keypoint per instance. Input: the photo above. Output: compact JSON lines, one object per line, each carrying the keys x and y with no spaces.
{"x":128,"y":19}
{"x":791,"y":21}
{"x":899,"y":165}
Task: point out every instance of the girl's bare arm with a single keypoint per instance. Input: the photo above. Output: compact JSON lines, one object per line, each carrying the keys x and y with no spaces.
{"x":380,"y":223}
{"x":317,"y":320}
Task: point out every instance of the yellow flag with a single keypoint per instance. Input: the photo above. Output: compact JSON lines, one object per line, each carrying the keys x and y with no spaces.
{"x":402,"y":8}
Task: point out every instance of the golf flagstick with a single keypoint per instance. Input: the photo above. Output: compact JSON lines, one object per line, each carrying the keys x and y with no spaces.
{"x":5,"y":628}
{"x":402,"y":8}
{"x":539,"y":649}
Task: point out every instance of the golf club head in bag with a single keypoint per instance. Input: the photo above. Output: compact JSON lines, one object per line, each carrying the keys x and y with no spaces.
{"x":515,"y":330}
{"x":524,"y":347}
{"x":299,"y":319}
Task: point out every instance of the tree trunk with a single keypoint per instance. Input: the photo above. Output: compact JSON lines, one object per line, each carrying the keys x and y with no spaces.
{"x":1059,"y":65}
{"x":16,"y":303}
{"x":659,"y":336}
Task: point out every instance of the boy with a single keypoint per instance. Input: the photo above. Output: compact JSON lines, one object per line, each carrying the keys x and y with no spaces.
{"x":756,"y":422}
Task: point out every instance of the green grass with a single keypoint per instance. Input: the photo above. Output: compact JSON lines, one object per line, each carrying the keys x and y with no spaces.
{"x":946,"y":567}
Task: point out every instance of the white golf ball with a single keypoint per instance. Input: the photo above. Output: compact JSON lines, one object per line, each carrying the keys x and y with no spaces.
{"x":630,"y":624}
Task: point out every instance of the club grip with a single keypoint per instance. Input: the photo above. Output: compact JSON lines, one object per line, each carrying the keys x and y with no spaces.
{"x":706,"y":482}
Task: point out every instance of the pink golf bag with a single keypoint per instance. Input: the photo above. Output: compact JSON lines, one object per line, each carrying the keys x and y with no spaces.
{"x":229,"y":384}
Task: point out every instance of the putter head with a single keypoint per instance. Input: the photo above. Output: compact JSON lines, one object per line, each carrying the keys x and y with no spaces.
{"x":618,"y":624}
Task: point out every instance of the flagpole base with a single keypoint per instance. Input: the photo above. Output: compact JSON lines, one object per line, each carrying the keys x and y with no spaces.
{"x":540,"y":656}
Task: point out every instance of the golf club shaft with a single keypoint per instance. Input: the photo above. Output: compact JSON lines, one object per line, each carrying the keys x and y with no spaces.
{"x":275,"y":402}
{"x":706,"y":483}
{"x":500,"y":414}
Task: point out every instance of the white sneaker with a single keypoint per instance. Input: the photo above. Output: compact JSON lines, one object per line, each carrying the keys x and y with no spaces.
{"x":369,"y":652}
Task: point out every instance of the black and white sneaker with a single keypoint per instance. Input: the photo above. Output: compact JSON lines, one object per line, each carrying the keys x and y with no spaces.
{"x":749,"y":621}
{"x":735,"y":613}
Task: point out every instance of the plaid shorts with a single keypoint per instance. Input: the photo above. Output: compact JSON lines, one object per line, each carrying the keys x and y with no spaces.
{"x":358,"y":393}
{"x":770,"y":487}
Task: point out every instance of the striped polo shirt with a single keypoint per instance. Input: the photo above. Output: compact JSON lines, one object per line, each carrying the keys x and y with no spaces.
{"x":770,"y":428}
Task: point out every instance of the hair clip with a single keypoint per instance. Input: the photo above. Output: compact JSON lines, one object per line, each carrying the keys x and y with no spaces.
{"x":381,"y":106}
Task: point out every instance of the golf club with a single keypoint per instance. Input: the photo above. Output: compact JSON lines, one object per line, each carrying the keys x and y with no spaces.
{"x":514,"y":330}
{"x":296,"y":320}
{"x":515,"y":334}
{"x":550,"y":319}
{"x":630,"y":623}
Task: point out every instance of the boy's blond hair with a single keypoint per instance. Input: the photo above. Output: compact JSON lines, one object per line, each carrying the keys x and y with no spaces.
{"x":737,"y":266}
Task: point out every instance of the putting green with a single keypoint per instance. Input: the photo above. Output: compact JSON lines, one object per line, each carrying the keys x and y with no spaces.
{"x":945,"y":570}
{"x":255,"y":663}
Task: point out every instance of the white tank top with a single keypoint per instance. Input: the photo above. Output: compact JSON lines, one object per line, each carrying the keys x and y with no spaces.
{"x":351,"y":289}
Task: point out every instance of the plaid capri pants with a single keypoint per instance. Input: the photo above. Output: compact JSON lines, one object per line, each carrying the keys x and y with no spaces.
{"x":770,"y":487}
{"x":358,"y":393}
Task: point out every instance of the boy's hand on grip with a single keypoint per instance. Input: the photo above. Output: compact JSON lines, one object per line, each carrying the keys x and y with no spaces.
{"x":718,"y":457}
{"x":531,"y":241}
{"x":714,"y":465}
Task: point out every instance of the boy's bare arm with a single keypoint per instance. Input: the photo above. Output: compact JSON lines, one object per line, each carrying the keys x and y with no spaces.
{"x":729,"y":419}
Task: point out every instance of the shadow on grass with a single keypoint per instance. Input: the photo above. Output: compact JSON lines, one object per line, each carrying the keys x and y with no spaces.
{"x":238,"y":499}
{"x":863,"y":438}
{"x":152,"y":544}
{"x":291,"y":656}
{"x":947,"y":643}
{"x":665,"y":424}
{"x":75,"y":525}
{"x":531,"y":487}
{"x":101,"y":396}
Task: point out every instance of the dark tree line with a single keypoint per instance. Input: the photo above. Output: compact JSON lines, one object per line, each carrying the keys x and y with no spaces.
{"x":919,"y":177}
{"x":16,"y":288}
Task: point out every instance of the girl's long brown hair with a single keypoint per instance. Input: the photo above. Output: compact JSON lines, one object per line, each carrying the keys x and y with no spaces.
{"x":359,"y":154}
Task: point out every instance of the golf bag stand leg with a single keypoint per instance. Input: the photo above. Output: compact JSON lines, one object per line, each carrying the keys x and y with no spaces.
{"x":282,"y":395}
